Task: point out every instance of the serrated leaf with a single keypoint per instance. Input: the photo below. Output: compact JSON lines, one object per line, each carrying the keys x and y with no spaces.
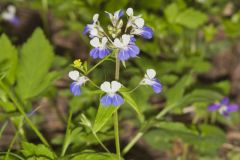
{"x":203,"y":141}
{"x":103,"y":115}
{"x":133,"y":104}
{"x":35,"y":62}
{"x":171,"y":12}
{"x":176,"y":93}
{"x":191,"y":18}
{"x":8,"y":58}
{"x":37,"y":151}
{"x":95,"y":156}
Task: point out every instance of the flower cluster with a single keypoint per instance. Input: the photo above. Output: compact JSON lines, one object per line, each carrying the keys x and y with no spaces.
{"x":224,"y":107}
{"x":120,"y":36}
{"x":9,"y":15}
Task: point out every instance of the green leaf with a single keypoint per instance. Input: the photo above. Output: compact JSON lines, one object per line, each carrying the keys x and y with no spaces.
{"x":35,"y":62}
{"x":171,"y":12}
{"x":103,"y":115}
{"x":176,"y":93}
{"x":95,"y":156}
{"x":206,"y":140}
{"x":37,"y":151}
{"x":8,"y":58}
{"x":191,"y":18}
{"x":133,"y":104}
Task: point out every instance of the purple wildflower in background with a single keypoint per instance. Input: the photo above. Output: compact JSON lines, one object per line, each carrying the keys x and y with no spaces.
{"x":78,"y":82}
{"x":224,"y":107}
{"x":149,"y":79}
{"x":9,"y":15}
{"x":111,"y":98}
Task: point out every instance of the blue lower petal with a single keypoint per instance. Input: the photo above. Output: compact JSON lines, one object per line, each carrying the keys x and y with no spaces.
{"x":94,"y":53}
{"x":123,"y":55}
{"x":103,"y":52}
{"x":106,"y":100}
{"x":120,"y":14}
{"x":225,"y":101}
{"x":75,"y":89}
{"x":214,"y":107}
{"x":133,"y":50}
{"x":147,"y":32}
{"x":117,"y":100}
{"x":15,"y":21}
{"x":86,"y":29}
{"x":157,"y":86}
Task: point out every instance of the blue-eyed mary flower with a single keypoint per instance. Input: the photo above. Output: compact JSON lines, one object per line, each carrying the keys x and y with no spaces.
{"x":127,"y":48}
{"x":100,"y":50}
{"x":115,"y":17}
{"x":111,"y":97}
{"x":149,"y":79}
{"x":93,"y":29}
{"x":137,"y":24}
{"x":10,"y":15}
{"x":78,"y":82}
{"x":224,"y":107}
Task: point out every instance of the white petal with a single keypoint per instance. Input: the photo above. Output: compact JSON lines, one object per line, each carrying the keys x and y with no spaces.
{"x":11,"y":9}
{"x":74,"y":75}
{"x":151,"y":73}
{"x":117,"y":43}
{"x":105,"y":86}
{"x":94,"y":32}
{"x":104,"y":41}
{"x":115,"y":86}
{"x":116,"y":14}
{"x":139,"y":22}
{"x":95,"y":42}
{"x":129,"y":12}
{"x":82,"y":79}
{"x":126,"y":39}
{"x":95,"y":18}
{"x":7,"y":16}
{"x":109,"y":14}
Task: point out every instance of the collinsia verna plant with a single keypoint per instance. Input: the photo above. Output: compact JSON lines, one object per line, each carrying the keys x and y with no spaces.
{"x":117,"y":42}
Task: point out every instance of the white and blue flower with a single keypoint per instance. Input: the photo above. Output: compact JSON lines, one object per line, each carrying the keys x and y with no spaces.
{"x":111,"y":97}
{"x":78,"y":82}
{"x":93,"y":29}
{"x":10,"y":15}
{"x":138,"y":27}
{"x":127,"y":47}
{"x":149,"y":79}
{"x":100,"y":50}
{"x":115,"y":17}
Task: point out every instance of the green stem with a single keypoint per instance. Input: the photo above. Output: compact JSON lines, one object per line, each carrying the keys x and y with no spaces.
{"x":3,"y":128}
{"x":11,"y":144}
{"x":21,"y":110}
{"x":146,"y":127}
{"x":105,"y":58}
{"x":100,"y":142}
{"x":116,"y":132}
{"x":45,"y":15}
{"x":67,"y":135}
{"x":115,"y":115}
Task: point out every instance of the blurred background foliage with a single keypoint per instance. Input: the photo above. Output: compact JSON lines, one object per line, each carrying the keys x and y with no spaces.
{"x":188,"y":36}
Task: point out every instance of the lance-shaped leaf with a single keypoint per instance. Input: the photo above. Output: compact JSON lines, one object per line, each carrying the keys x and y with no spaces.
{"x":133,"y":104}
{"x":103,"y":115}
